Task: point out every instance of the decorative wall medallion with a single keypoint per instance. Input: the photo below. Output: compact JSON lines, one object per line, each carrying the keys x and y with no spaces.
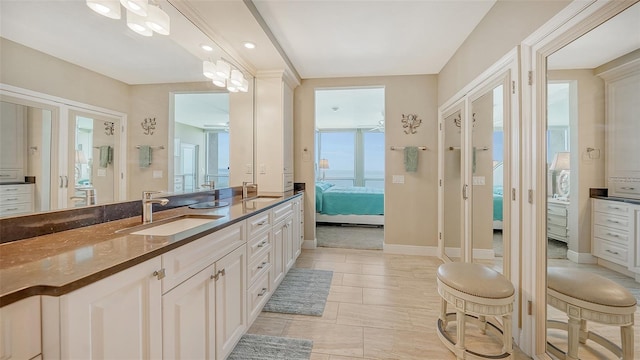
{"x":149,"y":126}
{"x":458,"y":120}
{"x":108,"y":128}
{"x":410,"y":121}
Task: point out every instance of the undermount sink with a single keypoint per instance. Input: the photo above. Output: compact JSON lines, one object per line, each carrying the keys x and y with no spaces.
{"x":172,"y":226}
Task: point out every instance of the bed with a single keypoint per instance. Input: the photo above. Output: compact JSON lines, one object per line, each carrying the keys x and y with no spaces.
{"x":349,"y":205}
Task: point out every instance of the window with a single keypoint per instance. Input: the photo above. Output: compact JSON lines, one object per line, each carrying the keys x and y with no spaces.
{"x":217,"y":158}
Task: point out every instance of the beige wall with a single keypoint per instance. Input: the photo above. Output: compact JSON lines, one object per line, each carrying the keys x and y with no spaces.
{"x":410,"y":208}
{"x":503,"y":28}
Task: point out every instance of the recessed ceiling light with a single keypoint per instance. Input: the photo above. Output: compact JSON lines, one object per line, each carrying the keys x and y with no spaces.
{"x":206,"y":47}
{"x":249,"y":45}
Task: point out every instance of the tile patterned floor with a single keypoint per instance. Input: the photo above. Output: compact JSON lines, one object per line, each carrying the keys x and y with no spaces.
{"x":380,"y":306}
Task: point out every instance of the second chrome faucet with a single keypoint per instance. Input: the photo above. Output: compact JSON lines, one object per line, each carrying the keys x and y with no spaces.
{"x":147,"y":205}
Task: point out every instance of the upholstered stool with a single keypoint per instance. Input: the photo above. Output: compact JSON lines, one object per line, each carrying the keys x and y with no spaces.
{"x":474,"y":289}
{"x":584,"y":296}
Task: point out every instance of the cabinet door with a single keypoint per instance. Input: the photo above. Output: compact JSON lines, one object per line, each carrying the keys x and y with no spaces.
{"x":188,"y":318}
{"x":290,"y":243}
{"x":279,"y":243}
{"x":231,"y":295}
{"x":119,"y":317}
{"x":20,"y":329}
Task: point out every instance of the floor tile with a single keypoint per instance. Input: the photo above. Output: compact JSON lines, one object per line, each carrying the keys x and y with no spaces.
{"x":345,"y":294}
{"x":330,"y":339}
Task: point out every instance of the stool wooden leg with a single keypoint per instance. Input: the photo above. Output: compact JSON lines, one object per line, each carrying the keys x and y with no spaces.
{"x":443,"y":313}
{"x":483,"y":327}
{"x":461,"y":320}
{"x":574,"y":330}
{"x":507,"y":340}
{"x":584,"y":332}
{"x":626,"y":333}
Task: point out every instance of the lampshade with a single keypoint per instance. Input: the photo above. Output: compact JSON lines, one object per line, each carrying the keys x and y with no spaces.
{"x":561,"y":161}
{"x":138,"y":7}
{"x":223,"y":69}
{"x":108,"y":8}
{"x":324,"y":164}
{"x":231,"y":87}
{"x":137,"y":23}
{"x":236,"y":77}
{"x":209,"y":69}
{"x":158,"y":20}
{"x":80,"y":158}
{"x":219,"y":81}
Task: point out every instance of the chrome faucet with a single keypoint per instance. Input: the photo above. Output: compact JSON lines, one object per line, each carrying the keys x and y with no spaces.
{"x":245,"y":188}
{"x":210,"y":184}
{"x":147,"y":205}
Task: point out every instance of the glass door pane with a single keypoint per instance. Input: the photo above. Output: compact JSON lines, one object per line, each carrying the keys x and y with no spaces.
{"x":452,"y":186}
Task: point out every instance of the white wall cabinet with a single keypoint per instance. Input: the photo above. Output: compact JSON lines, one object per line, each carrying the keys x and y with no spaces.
{"x":20,"y":330}
{"x":622,"y":86}
{"x":274,"y":132}
{"x":119,"y":317}
{"x":12,"y":144}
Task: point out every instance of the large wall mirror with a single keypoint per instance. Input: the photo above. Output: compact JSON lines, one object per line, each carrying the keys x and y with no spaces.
{"x":592,"y":131}
{"x":97,"y":113}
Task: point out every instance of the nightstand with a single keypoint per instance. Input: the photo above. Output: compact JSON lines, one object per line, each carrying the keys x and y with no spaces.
{"x":557,"y":214}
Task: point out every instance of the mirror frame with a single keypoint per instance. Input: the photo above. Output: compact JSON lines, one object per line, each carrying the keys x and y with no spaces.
{"x":569,"y":24}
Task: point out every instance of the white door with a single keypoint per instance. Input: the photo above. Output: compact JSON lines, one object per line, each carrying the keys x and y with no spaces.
{"x":189,"y":319}
{"x":189,"y":166}
{"x":93,"y":174}
{"x":119,"y":317}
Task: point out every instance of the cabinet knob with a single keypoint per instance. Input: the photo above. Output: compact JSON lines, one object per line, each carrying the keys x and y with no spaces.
{"x":262,"y":244}
{"x":262,"y":265}
{"x":160,"y":274}
{"x":264,"y":291}
{"x":218,"y":274}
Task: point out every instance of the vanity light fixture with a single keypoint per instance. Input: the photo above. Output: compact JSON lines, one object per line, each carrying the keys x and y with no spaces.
{"x":158,"y":20}
{"x":232,"y":88}
{"x":209,"y":69}
{"x":137,"y":23}
{"x":138,"y":7}
{"x":236,"y":77}
{"x":223,"y":69}
{"x":245,"y":85}
{"x":108,"y":8}
{"x":249,"y":45}
{"x":219,"y":81}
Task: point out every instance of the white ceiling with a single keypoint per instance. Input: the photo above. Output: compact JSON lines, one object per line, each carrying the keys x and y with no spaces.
{"x":371,"y":38}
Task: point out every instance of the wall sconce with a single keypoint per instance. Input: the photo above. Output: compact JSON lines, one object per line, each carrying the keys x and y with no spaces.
{"x":324,"y":165}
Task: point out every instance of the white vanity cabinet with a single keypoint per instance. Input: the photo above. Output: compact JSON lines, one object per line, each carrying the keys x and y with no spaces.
{"x":16,"y":199}
{"x":283,"y":241}
{"x":614,"y":233}
{"x":260,"y":255}
{"x":20,"y":330}
{"x":274,"y":132}
{"x":12,"y":144}
{"x":119,"y":317}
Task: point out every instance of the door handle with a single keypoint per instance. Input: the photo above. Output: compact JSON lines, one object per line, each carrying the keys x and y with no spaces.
{"x":465,"y":189}
{"x":66,"y":181}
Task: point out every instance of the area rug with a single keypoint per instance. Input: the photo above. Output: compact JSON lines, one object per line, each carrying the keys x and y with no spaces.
{"x":350,"y":237}
{"x":263,"y":347}
{"x":302,"y":292}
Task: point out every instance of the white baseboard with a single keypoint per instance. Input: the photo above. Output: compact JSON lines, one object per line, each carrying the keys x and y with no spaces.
{"x":581,"y":258}
{"x":310,"y":244}
{"x":410,"y":250}
{"x":477,"y":253}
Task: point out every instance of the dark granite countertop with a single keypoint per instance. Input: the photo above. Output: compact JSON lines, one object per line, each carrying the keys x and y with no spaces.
{"x":619,"y":199}
{"x":58,"y":263}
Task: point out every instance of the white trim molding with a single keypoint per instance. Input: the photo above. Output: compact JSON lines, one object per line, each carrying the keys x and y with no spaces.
{"x":581,"y":258}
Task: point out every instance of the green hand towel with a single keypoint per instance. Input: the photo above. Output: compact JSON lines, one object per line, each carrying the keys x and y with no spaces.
{"x":104,"y":156}
{"x":145,"y":156}
{"x":411,"y":158}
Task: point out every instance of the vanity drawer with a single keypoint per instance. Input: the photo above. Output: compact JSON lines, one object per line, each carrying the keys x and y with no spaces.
{"x":282,"y":211}
{"x":17,"y":198}
{"x":16,"y":189}
{"x":618,"y":222}
{"x":625,"y":189}
{"x":187,"y":260}
{"x":10,"y":175}
{"x":610,"y":251}
{"x":258,"y":224}
{"x":556,"y":220}
{"x":611,"y":234}
{"x":258,"y":245}
{"x":258,"y":294}
{"x":611,"y":207}
{"x":554,"y":209}
{"x":261,"y":265}
{"x":557,"y":232}
{"x":287,"y":182}
{"x":15,"y":209}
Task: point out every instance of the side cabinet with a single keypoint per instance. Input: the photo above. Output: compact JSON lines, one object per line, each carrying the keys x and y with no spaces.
{"x":119,"y":317}
{"x":20,"y":329}
{"x":231,"y":294}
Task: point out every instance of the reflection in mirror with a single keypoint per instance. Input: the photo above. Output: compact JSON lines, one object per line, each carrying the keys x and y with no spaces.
{"x":451,"y":184}
{"x":593,"y":89}
{"x":201,"y":140}
{"x":39,"y":64}
{"x":487,"y":159}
